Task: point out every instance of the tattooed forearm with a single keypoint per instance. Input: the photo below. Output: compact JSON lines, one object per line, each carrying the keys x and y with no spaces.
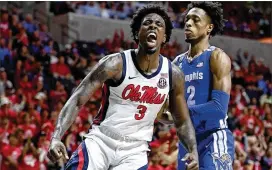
{"x":180,"y":113}
{"x":109,"y":67}
{"x":186,"y":135}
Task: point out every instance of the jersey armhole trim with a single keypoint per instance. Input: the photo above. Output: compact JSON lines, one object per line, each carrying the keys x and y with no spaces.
{"x":124,"y":70}
{"x":170,"y":75}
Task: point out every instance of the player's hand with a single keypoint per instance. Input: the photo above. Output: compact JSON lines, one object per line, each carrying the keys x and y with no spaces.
{"x":191,"y":160}
{"x":57,"y":151}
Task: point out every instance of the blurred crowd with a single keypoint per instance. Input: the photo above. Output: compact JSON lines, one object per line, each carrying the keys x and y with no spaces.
{"x":37,"y":77}
{"x":243,"y":19}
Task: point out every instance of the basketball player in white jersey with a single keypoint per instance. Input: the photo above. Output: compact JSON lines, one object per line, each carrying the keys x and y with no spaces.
{"x":135,"y":85}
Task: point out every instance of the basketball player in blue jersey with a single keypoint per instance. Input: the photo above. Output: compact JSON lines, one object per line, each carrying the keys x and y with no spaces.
{"x":207,"y":87}
{"x":135,"y":83}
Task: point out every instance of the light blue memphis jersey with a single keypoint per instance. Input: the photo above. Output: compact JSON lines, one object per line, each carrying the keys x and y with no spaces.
{"x":198,"y":88}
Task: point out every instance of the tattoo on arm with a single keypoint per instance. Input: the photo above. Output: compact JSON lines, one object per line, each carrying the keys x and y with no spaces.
{"x":180,"y":113}
{"x":186,"y":135}
{"x":110,"y":67}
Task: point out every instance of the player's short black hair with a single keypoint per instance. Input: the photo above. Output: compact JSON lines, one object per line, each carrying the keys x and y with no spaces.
{"x":214,"y":11}
{"x":142,"y":12}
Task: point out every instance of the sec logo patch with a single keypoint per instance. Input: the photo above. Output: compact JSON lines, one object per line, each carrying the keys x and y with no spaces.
{"x":162,"y":83}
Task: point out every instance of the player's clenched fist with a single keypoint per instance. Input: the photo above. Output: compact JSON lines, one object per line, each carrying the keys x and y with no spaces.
{"x":57,"y":151}
{"x":191,"y":160}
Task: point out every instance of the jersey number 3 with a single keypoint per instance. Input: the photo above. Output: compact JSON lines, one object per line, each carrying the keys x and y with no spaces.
{"x":141,"y":113}
{"x":191,"y":91}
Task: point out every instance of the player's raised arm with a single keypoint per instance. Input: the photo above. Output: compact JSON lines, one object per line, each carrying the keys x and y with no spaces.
{"x":109,"y":67}
{"x":179,"y":110}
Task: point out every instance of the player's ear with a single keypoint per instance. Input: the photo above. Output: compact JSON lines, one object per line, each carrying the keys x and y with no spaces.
{"x":164,"y":38}
{"x":210,"y":28}
{"x":136,"y":36}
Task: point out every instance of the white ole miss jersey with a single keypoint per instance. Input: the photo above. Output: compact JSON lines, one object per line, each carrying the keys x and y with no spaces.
{"x":130,"y":106}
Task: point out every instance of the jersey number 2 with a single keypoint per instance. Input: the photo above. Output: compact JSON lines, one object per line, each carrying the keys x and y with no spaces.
{"x":191,"y":91}
{"x":141,"y":113}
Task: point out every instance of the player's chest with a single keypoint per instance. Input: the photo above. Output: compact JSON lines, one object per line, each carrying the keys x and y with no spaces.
{"x":196,"y":72}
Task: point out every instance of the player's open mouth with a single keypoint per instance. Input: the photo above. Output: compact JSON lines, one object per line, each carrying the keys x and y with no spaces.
{"x":151,"y":39}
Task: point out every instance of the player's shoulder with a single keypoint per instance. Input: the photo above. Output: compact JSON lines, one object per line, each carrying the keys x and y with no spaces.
{"x":112,"y":64}
{"x":179,"y":58}
{"x":111,"y":57}
{"x":177,"y":73}
{"x":219,"y":59}
{"x":219,"y":54}
{"x":112,"y":60}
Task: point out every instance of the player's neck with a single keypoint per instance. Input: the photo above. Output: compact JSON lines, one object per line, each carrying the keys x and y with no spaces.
{"x":148,"y":63}
{"x":195,"y":49}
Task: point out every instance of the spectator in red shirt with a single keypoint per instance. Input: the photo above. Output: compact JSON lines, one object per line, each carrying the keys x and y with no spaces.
{"x":43,"y":145}
{"x":249,"y":121}
{"x":84,"y":112}
{"x":44,"y":116}
{"x":267,"y":116}
{"x":30,"y":129}
{"x":18,"y":100}
{"x":251,"y":78}
{"x":239,"y":97}
{"x":26,"y":86}
{"x":4,"y":25}
{"x":5,"y":130}
{"x":5,"y":110}
{"x":59,"y":94}
{"x":71,"y":139}
{"x":41,"y":101}
{"x":252,"y":67}
{"x":260,"y":67}
{"x":61,"y":69}
{"x":30,"y":64}
{"x":18,"y":72}
{"x":154,"y":162}
{"x":35,"y":116}
{"x":20,"y":136}
{"x":3,"y":81}
{"x":11,"y":154}
{"x":59,"y":106}
{"x":22,"y":36}
{"x":48,"y":127}
{"x":29,"y":160}
{"x":9,"y":91}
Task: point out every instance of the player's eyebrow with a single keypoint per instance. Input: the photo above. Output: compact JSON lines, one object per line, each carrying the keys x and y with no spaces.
{"x":156,"y":19}
{"x":192,"y":16}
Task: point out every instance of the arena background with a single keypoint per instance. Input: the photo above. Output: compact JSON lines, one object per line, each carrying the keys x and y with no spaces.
{"x":47,"y":48}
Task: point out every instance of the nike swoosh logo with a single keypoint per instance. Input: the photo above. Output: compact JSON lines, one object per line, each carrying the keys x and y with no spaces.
{"x":131,"y":77}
